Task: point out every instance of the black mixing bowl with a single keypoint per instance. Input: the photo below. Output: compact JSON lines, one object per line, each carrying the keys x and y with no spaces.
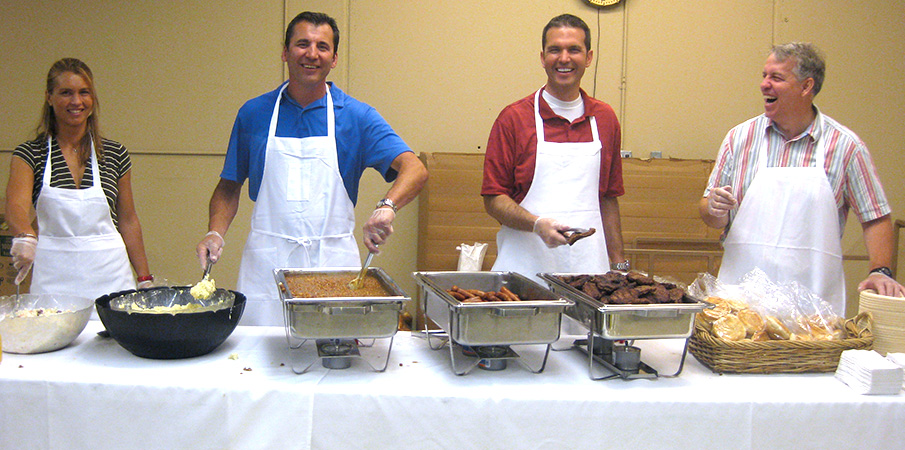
{"x":192,"y":328}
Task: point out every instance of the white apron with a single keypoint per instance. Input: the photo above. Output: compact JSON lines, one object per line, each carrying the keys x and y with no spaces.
{"x":788,"y":226}
{"x":79,"y":251}
{"x":566,"y":187}
{"x":302,"y":218}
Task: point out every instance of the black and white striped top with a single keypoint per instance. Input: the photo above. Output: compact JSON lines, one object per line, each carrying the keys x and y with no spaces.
{"x":115,"y":164}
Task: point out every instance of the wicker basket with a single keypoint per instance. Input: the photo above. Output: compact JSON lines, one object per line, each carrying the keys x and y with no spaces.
{"x":749,"y":356}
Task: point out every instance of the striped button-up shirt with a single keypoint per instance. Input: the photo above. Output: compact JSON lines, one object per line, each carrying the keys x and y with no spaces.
{"x":848,"y":165}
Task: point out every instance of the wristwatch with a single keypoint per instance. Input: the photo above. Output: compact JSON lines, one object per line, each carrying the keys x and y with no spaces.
{"x":387,"y":202}
{"x":883,"y":270}
{"x":624,"y":266}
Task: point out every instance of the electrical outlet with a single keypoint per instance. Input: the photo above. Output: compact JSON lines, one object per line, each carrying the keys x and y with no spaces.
{"x":656,"y":154}
{"x":626,"y":153}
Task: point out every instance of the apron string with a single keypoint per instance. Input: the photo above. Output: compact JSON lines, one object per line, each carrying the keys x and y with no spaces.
{"x":302,"y":240}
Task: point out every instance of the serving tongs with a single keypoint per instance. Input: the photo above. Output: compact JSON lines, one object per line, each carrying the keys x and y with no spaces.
{"x":358,"y":281}
{"x":573,"y":235}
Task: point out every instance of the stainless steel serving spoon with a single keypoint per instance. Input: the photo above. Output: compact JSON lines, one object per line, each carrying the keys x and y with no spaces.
{"x":207,"y":269}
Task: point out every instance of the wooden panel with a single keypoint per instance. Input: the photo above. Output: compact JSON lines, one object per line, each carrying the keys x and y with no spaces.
{"x":451,"y":211}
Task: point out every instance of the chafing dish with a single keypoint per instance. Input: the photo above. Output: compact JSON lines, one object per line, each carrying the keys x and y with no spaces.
{"x":485,"y":330}
{"x":338,"y":321}
{"x":607,"y":323}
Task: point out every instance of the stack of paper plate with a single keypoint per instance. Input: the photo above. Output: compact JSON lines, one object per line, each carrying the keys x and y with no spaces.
{"x":889,"y":321}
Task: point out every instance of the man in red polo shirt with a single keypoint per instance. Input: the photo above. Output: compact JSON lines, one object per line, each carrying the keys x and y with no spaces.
{"x":553,"y":163}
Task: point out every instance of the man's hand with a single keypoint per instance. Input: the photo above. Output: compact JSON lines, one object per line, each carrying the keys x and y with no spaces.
{"x":23,"y":252}
{"x":378,"y":228}
{"x":883,"y":284}
{"x":550,"y":231}
{"x":211,"y":245}
{"x":721,"y":201}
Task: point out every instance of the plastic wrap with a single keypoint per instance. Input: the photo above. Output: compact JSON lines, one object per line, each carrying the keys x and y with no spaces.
{"x":788,"y":310}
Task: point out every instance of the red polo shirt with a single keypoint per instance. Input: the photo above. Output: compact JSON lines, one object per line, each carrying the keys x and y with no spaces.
{"x":512,"y":146}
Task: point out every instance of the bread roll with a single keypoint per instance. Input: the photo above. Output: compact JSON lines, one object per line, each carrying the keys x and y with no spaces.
{"x":752,"y":320}
{"x":736,"y":305}
{"x":760,"y":335}
{"x":776,"y":329}
{"x":715,"y":313}
{"x":729,"y":327}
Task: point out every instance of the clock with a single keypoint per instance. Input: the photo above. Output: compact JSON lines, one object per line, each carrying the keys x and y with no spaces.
{"x":603,"y":2}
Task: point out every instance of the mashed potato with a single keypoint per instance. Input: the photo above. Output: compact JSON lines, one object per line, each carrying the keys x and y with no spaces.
{"x":204,"y":289}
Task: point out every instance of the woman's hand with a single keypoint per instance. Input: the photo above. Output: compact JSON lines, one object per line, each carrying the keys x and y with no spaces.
{"x":23,"y":252}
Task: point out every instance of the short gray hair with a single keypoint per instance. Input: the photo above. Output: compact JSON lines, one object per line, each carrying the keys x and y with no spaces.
{"x":809,"y":61}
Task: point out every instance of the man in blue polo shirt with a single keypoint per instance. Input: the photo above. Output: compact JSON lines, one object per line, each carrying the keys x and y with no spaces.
{"x":303,"y":148}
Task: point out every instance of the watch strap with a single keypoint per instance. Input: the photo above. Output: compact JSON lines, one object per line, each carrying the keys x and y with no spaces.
{"x":388,"y":202}
{"x":884,"y":270}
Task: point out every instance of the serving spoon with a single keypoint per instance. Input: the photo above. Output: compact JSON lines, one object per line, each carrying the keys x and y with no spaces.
{"x":207,"y":269}
{"x":358,"y":281}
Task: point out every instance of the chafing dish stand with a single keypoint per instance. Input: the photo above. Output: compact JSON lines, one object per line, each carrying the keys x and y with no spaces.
{"x":337,"y":353}
{"x":607,"y":353}
{"x":464,"y":358}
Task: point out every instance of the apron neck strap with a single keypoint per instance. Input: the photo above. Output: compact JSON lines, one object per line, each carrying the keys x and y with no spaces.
{"x":95,"y":174}
{"x":331,"y":117}
{"x":539,"y":122}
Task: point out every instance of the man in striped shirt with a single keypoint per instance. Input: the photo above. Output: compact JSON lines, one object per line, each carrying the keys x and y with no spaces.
{"x":784,"y":182}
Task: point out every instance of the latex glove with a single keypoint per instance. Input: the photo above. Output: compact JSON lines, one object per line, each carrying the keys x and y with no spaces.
{"x":883,"y":284}
{"x":721,"y":201}
{"x":550,"y":231}
{"x":212,"y":244}
{"x":23,"y":252}
{"x":378,"y":228}
{"x":146,"y":284}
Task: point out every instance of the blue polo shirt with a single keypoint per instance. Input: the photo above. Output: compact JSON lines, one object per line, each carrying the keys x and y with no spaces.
{"x":363,"y":138}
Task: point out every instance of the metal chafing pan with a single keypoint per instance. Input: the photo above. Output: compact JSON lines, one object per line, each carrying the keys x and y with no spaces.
{"x":347,"y":317}
{"x":534,"y":320}
{"x":674,"y":320}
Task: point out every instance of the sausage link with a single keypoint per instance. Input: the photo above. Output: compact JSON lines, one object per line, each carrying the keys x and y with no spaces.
{"x":511,"y":295}
{"x":458,"y":295}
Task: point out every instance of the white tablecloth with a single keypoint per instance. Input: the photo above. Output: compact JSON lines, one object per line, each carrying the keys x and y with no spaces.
{"x":96,"y":395}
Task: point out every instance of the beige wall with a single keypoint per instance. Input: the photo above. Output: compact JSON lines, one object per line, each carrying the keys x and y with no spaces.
{"x":171,"y":75}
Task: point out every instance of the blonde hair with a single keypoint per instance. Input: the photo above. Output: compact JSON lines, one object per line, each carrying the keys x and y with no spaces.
{"x":48,"y":125}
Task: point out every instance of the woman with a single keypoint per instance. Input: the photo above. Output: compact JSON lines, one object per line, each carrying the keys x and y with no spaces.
{"x":89,"y":231}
